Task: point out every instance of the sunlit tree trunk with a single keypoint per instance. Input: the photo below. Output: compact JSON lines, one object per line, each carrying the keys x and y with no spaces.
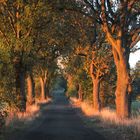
{"x":30,"y":90}
{"x":43,"y":88}
{"x":96,"y":96}
{"x":123,"y":102}
{"x":121,"y":58}
{"x":96,"y":87}
{"x":123,"y":89}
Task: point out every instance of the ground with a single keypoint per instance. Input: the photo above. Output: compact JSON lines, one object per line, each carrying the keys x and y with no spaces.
{"x":61,"y":120}
{"x":58,"y":121}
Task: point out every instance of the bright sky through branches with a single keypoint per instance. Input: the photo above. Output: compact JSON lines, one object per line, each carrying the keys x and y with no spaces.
{"x":134,"y":57}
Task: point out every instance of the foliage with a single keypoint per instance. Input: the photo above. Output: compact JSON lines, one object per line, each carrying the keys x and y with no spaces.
{"x":35,"y":34}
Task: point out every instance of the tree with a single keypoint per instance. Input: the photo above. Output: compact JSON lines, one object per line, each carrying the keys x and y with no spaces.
{"x":49,"y":45}
{"x":77,"y":77}
{"x":101,"y":59}
{"x":7,"y":84}
{"x":120,"y":22}
{"x":30,"y":89}
{"x":19,"y":28}
{"x":16,"y":25}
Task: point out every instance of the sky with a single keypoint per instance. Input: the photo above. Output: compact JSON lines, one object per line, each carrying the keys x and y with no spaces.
{"x":134,"y":57}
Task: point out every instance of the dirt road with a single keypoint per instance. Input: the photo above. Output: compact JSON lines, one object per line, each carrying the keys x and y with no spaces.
{"x":61,"y":122}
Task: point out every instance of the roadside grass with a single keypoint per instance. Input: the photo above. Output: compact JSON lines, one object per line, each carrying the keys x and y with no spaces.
{"x":17,"y":121}
{"x":128,"y":129}
{"x":45,"y":101}
{"x":15,"y":117}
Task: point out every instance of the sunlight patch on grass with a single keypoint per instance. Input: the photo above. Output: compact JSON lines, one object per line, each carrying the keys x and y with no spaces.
{"x":75,"y":102}
{"x":39,"y":101}
{"x":85,"y":106}
{"x":31,"y":112}
{"x":18,"y":122}
{"x":88,"y":109}
{"x":108,"y":115}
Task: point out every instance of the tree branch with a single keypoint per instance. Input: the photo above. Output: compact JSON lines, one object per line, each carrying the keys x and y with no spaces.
{"x":137,"y":39}
{"x":28,"y":33}
{"x":6,"y":39}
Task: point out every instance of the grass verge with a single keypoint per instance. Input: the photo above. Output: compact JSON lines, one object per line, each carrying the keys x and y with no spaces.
{"x":108,"y":124}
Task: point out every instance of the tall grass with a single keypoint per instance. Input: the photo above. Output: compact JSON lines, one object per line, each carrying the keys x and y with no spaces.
{"x":15,"y":117}
{"x":32,"y":111}
{"x":38,"y":101}
{"x":108,"y":115}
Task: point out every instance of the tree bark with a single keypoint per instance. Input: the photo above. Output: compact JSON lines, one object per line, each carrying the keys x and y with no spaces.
{"x":43,"y":88}
{"x":30,"y":90}
{"x":124,"y":88}
{"x":121,"y":58}
{"x":80,"y":93}
{"x":20,"y":87}
{"x":102,"y":95}
{"x":96,"y":97}
{"x":123,"y":91}
{"x":96,"y":85}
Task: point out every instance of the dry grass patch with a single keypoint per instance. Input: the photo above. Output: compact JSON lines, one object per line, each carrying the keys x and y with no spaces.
{"x":106,"y":122}
{"x":15,"y":117}
{"x":17,"y":122}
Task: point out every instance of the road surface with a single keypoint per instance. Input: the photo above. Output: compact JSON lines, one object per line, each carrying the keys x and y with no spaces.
{"x":61,"y":122}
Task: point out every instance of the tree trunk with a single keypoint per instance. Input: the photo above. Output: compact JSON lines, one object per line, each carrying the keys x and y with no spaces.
{"x":124,"y":88}
{"x":43,"y":88}
{"x":96,"y":85}
{"x":123,"y":91}
{"x":102,"y":94}
{"x":20,"y":87}
{"x":30,"y":90}
{"x":121,"y":57}
{"x":80,"y":93}
{"x":96,"y":97}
